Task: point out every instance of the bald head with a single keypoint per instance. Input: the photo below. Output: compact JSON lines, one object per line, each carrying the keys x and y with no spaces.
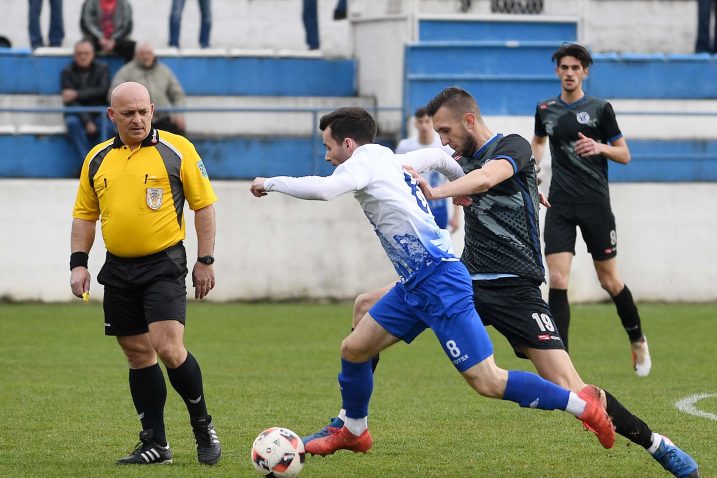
{"x":130,"y":91}
{"x":131,"y":110}
{"x":144,"y":55}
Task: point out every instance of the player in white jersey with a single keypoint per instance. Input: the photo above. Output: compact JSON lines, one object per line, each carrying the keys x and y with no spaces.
{"x":434,"y":292}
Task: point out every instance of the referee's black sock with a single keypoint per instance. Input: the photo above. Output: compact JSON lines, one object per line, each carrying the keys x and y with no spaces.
{"x":627,"y":424}
{"x":187,"y":381}
{"x":560,"y":308}
{"x":627,"y":310}
{"x":149,"y":392}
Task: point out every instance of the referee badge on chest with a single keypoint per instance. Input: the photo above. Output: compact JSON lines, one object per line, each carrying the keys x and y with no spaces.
{"x":154,"y":198}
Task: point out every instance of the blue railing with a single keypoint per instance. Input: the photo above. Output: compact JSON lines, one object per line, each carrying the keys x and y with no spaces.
{"x":290,"y":155}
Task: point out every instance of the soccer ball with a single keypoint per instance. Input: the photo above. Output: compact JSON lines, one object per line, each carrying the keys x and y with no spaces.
{"x":278,"y":452}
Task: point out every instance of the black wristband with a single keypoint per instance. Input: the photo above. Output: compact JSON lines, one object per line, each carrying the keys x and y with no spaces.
{"x":78,"y":259}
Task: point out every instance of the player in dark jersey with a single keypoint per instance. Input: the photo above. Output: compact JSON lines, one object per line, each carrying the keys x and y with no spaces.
{"x":502,"y":254}
{"x":584,"y":135}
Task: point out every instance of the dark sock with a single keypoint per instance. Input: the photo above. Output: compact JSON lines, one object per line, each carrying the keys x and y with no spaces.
{"x":627,"y":424}
{"x":560,"y":308}
{"x":187,"y":381}
{"x":627,"y":310}
{"x":374,"y":359}
{"x":149,"y":392}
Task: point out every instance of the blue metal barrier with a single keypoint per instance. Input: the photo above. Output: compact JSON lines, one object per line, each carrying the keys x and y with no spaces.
{"x":51,"y":156}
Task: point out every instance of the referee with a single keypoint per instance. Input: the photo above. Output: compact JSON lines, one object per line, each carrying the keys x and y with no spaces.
{"x":136,"y":183}
{"x":584,"y":135}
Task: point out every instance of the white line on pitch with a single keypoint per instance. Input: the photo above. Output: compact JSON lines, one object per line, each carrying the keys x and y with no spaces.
{"x":687,"y":405}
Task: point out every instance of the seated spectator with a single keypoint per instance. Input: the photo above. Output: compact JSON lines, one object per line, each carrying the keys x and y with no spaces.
{"x":84,"y":83}
{"x":175,"y":21}
{"x":107,"y":24}
{"x":163,"y":86}
{"x":57,"y":29}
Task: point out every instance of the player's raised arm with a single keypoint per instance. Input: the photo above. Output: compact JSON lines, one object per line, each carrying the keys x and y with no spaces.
{"x":308,"y":187}
{"x":475,"y":182}
{"x":433,"y":159}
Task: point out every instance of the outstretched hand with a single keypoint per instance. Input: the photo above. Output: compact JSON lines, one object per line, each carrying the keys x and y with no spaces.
{"x":421,"y":182}
{"x":257,"y":187}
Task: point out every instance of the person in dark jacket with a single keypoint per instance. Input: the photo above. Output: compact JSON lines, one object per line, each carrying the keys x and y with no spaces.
{"x":85,"y":82}
{"x":108,"y":24}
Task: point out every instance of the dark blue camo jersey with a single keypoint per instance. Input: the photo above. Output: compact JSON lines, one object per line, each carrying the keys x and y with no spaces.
{"x":577,"y":178}
{"x":501,"y":225}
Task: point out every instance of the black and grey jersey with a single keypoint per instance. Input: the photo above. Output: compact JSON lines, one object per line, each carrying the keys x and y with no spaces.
{"x":501,"y":224}
{"x":577,"y":178}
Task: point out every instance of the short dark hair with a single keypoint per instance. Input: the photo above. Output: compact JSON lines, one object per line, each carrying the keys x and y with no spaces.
{"x":420,"y":112}
{"x":576,"y":51}
{"x":455,"y":99}
{"x":351,"y":122}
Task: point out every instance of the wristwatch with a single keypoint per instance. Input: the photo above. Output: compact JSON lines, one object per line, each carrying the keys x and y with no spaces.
{"x":208,"y":260}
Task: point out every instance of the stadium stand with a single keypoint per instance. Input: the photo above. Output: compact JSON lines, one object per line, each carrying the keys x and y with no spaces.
{"x":231,"y":132}
{"x":499,"y":60}
{"x":238,"y":133}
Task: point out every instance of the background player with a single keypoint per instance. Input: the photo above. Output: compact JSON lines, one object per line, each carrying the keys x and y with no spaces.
{"x":584,"y":135}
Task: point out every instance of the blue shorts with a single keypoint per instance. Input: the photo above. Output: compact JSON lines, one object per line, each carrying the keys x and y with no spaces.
{"x":443,"y":302}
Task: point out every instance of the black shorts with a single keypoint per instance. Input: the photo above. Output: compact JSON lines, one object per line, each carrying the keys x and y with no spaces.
{"x":597,"y":225}
{"x":142,"y":290}
{"x":515,"y":307}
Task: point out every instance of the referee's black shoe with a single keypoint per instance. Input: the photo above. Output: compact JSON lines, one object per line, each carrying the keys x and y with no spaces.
{"x":209,"y":450}
{"x":147,"y":451}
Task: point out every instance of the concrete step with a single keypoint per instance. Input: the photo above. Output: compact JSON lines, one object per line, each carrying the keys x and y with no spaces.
{"x":497,"y":27}
{"x":302,"y":121}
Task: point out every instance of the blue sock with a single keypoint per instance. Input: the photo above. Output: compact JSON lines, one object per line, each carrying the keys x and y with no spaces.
{"x":356,"y":380}
{"x":531,"y":391}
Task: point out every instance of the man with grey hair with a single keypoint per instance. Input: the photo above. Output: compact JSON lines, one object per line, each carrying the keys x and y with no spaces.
{"x":164,"y":88}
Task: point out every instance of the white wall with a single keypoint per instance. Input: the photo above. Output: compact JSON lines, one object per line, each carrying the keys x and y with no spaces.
{"x":610,"y":25}
{"x":280,"y":248}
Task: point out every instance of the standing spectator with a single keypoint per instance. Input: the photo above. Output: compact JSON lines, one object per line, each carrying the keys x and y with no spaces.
{"x":310,"y":16}
{"x":57,"y":29}
{"x":428,"y":138}
{"x":175,"y":20}
{"x":84,"y":83}
{"x":163,"y":86}
{"x":584,"y":135}
{"x":705,"y":11}
{"x":145,"y":295}
{"x":107,"y":24}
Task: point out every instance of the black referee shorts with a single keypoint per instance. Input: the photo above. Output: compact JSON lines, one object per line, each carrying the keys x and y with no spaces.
{"x":142,"y":290}
{"x":596,"y":222}
{"x":515,"y":307}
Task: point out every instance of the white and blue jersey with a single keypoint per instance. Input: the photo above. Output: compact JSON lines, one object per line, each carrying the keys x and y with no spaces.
{"x":440,"y":208}
{"x":435,"y":289}
{"x":391,"y":200}
{"x":398,"y":211}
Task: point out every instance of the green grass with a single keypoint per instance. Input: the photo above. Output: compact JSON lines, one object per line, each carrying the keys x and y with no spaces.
{"x":65,"y":408}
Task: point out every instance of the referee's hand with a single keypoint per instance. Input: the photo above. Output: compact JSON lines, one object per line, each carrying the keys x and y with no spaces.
{"x":202,"y":280}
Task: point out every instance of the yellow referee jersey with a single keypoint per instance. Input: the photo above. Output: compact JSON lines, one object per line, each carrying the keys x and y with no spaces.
{"x":139,"y":195}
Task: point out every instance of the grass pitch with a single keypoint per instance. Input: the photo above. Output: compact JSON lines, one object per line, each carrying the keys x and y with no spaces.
{"x":65,"y":408}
